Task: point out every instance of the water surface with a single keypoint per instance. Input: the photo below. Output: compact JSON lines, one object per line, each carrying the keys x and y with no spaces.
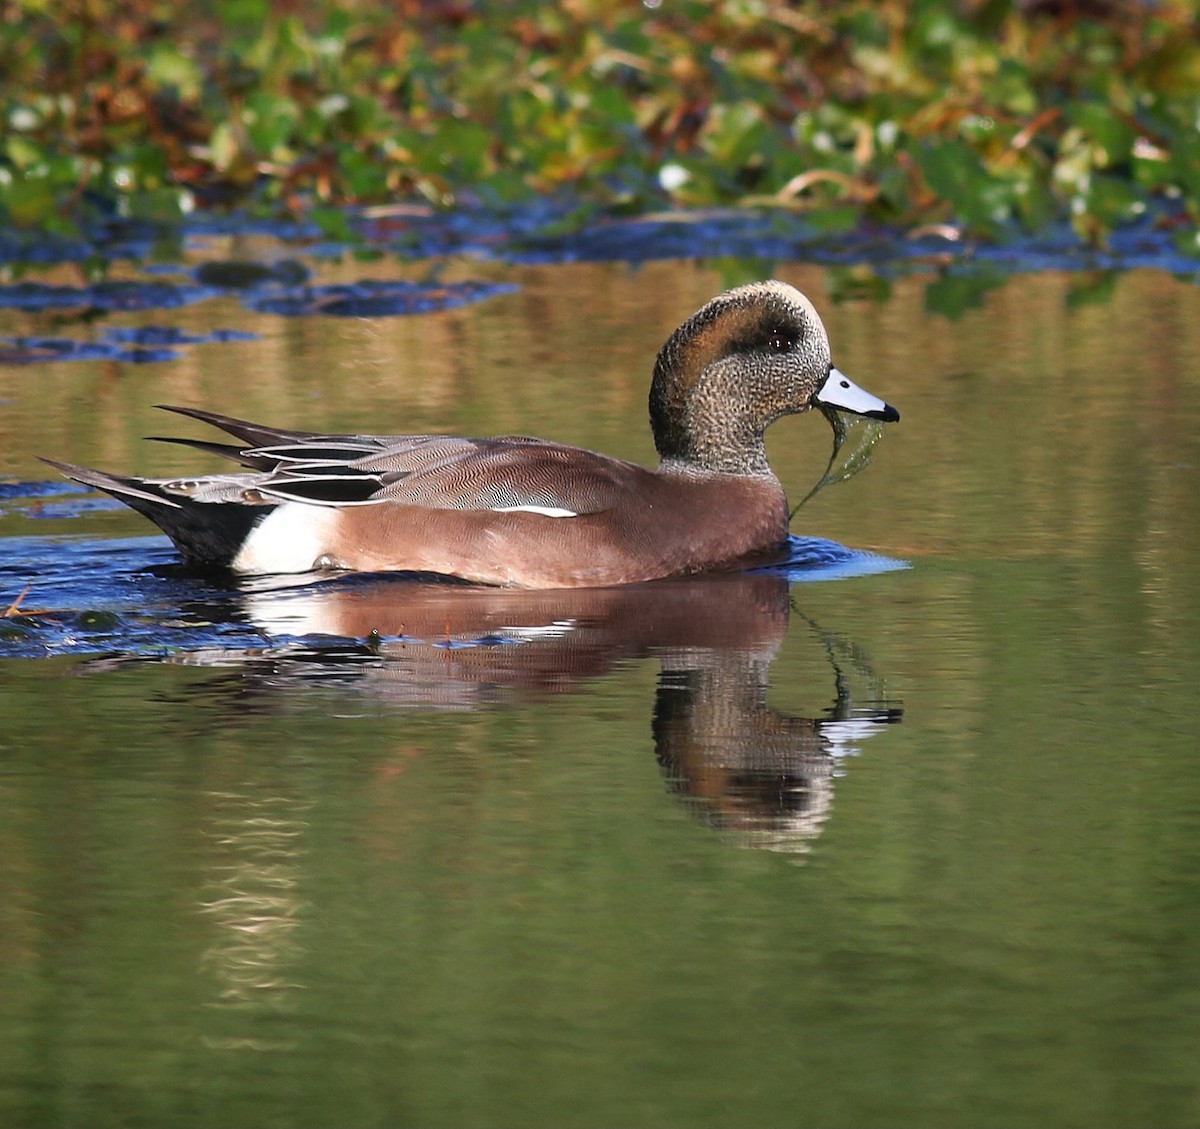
{"x":840,"y":845}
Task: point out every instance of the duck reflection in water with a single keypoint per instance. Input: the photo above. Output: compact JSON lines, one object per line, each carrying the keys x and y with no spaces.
{"x":762,"y":774}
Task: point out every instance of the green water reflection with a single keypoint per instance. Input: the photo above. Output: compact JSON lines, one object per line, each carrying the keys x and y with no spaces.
{"x":263,"y":893}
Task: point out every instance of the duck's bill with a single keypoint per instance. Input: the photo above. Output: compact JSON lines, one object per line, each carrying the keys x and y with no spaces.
{"x":846,"y":396}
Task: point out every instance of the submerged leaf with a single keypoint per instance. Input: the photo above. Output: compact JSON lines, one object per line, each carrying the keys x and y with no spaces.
{"x":854,"y":439}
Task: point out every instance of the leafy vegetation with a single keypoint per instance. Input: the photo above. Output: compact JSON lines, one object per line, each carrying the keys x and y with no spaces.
{"x":989,"y":115}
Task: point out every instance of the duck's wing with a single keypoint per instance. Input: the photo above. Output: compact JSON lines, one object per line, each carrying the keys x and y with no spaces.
{"x":434,"y":471}
{"x":451,"y":473}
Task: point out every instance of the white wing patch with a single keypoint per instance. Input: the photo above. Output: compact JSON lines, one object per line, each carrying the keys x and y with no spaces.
{"x":545,"y":511}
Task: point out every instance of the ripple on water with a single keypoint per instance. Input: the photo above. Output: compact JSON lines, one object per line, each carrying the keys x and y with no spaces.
{"x":68,"y":595}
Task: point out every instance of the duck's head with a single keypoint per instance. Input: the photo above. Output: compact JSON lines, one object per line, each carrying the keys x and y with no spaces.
{"x":735,"y":366}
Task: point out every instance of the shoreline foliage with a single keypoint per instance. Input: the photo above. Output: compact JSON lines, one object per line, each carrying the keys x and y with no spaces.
{"x":991,"y":116}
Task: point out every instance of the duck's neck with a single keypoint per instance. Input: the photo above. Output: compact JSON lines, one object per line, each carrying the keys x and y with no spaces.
{"x":711,"y":430}
{"x":745,"y":459}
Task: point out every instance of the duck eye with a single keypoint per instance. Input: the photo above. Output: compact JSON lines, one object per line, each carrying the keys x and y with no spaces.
{"x":781,"y":341}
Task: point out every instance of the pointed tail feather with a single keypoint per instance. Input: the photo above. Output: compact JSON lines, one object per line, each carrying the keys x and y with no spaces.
{"x":206,"y":533}
{"x":128,"y":490}
{"x":255,"y":434}
{"x":242,"y":455}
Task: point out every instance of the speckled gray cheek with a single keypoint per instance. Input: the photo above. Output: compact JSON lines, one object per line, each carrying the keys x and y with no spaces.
{"x":815,"y":362}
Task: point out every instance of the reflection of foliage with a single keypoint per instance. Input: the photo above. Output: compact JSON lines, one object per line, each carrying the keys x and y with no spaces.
{"x":986,"y":113}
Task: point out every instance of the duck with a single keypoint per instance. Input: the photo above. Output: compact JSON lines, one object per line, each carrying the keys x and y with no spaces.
{"x":517,"y":511}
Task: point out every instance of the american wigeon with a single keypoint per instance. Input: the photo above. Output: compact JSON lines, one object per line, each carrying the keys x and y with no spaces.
{"x":518,"y":511}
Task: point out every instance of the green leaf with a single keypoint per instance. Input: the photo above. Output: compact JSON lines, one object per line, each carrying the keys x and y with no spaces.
{"x":158,"y":205}
{"x":333,"y":222}
{"x":1111,"y":136}
{"x":28,"y":201}
{"x":270,"y":121}
{"x":365,"y":175}
{"x":1112,"y":199}
{"x":23,"y":152}
{"x":167,"y":66}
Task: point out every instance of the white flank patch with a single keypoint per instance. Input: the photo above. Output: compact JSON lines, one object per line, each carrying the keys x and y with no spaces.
{"x":289,"y":539}
{"x":545,"y":511}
